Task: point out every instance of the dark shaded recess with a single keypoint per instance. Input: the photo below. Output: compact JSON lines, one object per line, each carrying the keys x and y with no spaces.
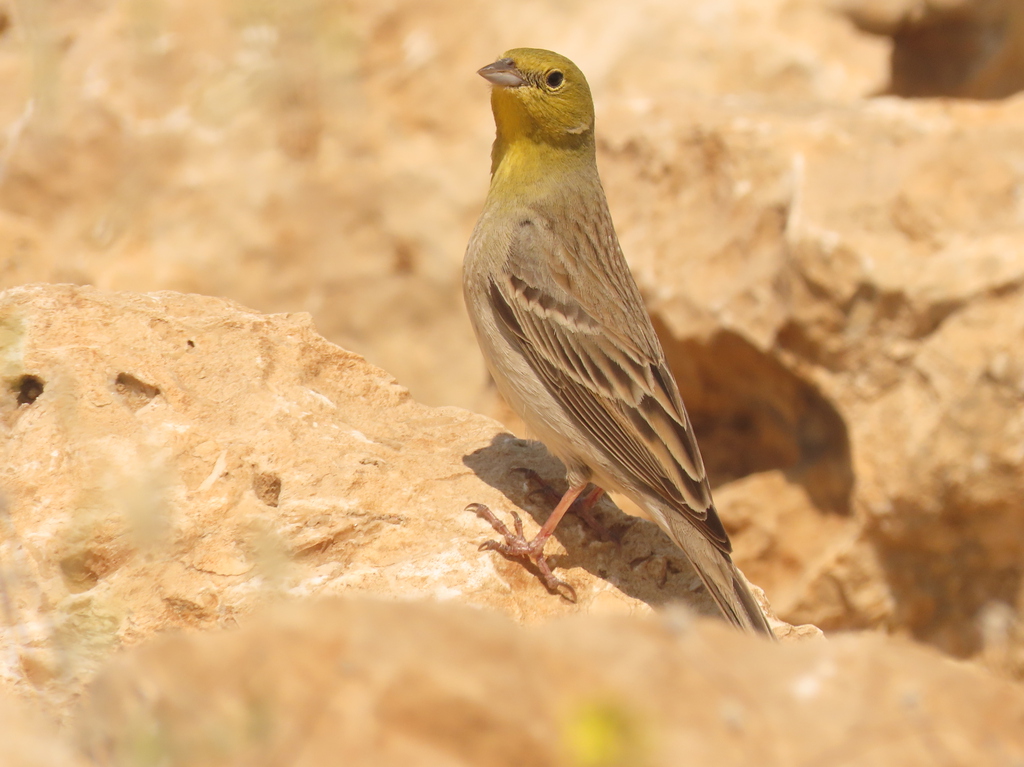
{"x":974,"y":50}
{"x":134,"y":392}
{"x":28,"y":389}
{"x":941,"y":596}
{"x":267,"y":488}
{"x":752,"y":414}
{"x":80,"y":571}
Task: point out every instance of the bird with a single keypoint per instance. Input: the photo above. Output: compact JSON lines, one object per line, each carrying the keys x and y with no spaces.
{"x":564,"y":333}
{"x":566,"y":337}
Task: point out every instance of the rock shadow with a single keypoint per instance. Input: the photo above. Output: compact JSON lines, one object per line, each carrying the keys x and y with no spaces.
{"x":637,"y":557}
{"x":950,"y":589}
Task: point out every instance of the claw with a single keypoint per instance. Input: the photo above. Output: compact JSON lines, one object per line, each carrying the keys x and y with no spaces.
{"x":485,"y":513}
{"x":518,"y":522}
{"x":555,"y":585}
{"x":516,"y":545}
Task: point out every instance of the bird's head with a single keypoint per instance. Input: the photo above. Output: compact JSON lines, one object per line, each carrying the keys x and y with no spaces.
{"x":540,"y":96}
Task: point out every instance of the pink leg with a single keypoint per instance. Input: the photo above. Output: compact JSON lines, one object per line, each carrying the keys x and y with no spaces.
{"x":516,"y":545}
{"x":583,"y":507}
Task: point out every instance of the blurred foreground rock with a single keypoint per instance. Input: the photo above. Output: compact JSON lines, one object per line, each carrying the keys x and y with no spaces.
{"x":440,"y":685}
{"x":31,"y":739}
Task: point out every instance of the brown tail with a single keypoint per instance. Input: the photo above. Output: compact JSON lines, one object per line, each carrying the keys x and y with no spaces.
{"x":723,"y":581}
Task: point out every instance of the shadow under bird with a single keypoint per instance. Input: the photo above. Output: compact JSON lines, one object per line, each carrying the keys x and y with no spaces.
{"x":565,"y":334}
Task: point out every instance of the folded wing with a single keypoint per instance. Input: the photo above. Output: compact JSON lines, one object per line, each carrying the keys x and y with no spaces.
{"x":614,"y":389}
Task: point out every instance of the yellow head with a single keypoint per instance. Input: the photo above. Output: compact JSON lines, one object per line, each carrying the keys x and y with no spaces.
{"x":540,"y":97}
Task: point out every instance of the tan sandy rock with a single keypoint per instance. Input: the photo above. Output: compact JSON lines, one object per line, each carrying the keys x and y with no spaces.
{"x":836,"y":279}
{"x":440,"y":685}
{"x":330,"y":157}
{"x":840,"y":295}
{"x":170,"y":460}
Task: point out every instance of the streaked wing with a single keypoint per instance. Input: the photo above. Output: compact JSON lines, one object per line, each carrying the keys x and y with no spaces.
{"x":623,"y":397}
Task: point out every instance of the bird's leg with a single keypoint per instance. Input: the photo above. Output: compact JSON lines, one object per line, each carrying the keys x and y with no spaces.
{"x":516,"y":545}
{"x":582,"y":508}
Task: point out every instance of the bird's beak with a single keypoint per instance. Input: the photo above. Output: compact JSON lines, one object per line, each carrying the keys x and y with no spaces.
{"x":503,"y":73}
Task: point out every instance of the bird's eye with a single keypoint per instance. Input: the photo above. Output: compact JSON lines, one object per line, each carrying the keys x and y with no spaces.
{"x":554,"y":78}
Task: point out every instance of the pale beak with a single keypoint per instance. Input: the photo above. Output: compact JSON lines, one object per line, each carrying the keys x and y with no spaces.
{"x":503,"y":73}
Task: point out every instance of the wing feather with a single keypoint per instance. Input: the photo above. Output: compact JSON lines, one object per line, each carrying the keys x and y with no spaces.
{"x":623,"y":397}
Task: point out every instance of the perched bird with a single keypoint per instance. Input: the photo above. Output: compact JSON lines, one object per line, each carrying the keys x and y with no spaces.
{"x":566,"y":337}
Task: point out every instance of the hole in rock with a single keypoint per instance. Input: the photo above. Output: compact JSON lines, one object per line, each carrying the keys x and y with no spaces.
{"x":752,"y":414}
{"x":267,"y":488}
{"x":955,"y":55}
{"x":28,"y":389}
{"x":959,"y":49}
{"x":186,"y":610}
{"x":80,"y":571}
{"x":134,"y":392}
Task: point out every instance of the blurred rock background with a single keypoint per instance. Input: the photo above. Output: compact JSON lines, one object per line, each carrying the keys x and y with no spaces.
{"x":835,"y":265}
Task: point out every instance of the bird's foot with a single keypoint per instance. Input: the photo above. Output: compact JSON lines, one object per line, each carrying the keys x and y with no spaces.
{"x":539,"y":488}
{"x":516,"y":545}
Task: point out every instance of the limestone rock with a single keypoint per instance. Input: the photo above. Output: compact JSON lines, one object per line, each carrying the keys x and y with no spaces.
{"x":437,"y":685}
{"x":836,"y":278}
{"x":328,"y":157}
{"x":173,"y":461}
{"x":840,"y":296}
